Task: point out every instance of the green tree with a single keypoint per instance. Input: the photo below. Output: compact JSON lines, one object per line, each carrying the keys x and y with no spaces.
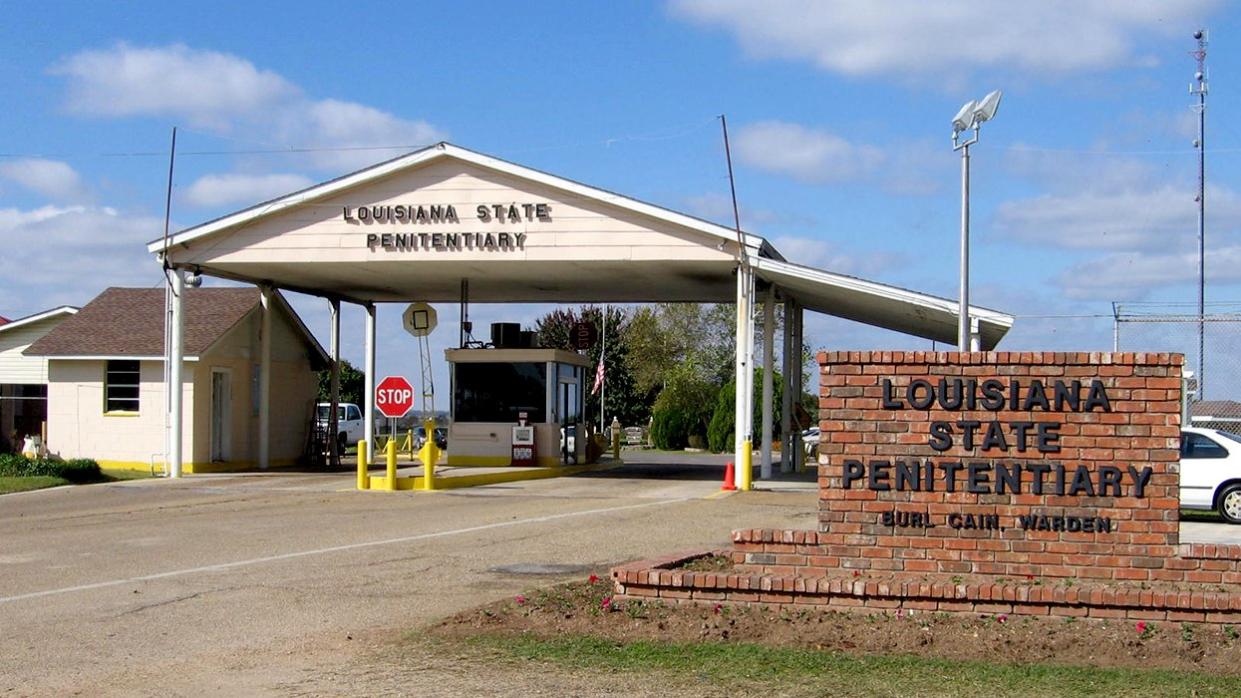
{"x":682,"y":411}
{"x":352,"y":384}
{"x":721,"y":436}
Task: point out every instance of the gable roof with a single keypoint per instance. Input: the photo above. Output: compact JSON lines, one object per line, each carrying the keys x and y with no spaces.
{"x":31,"y":319}
{"x":129,"y":323}
{"x":441,"y":150}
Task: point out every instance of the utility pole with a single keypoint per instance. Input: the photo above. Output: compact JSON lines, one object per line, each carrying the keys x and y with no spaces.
{"x":1199,"y":87}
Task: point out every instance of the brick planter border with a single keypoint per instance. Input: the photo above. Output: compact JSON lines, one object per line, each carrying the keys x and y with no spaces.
{"x":661,"y":579}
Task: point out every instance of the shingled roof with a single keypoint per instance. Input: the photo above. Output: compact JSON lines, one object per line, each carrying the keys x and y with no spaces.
{"x":124,"y":322}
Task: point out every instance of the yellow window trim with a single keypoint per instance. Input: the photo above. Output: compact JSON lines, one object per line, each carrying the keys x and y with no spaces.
{"x":121,"y":413}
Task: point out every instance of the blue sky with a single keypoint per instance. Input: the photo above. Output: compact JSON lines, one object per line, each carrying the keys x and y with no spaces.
{"x":839,"y":113}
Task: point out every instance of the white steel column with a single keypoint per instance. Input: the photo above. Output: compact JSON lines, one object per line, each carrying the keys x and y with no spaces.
{"x":741,"y":429}
{"x":334,"y":389}
{"x":799,"y":338}
{"x":368,"y":399}
{"x":786,"y":399}
{"x":265,"y":342}
{"x":975,"y":338}
{"x":176,"y":361}
{"x":769,"y":366}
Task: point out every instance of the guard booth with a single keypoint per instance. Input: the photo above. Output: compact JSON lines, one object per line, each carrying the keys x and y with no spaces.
{"x":493,"y":387}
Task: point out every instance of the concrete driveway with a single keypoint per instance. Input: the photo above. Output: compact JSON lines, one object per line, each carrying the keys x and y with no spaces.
{"x":242,"y":585}
{"x":274,"y":583}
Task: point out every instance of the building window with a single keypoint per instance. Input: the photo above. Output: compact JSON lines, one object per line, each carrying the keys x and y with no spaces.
{"x":120,"y":386}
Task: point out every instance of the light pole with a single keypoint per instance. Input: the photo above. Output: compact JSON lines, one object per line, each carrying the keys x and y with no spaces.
{"x":1199,"y":88}
{"x":971,"y":116}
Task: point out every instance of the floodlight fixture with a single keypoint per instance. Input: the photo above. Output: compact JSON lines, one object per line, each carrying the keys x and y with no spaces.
{"x":986,"y":109}
{"x":964,"y":118}
{"x":971,"y":116}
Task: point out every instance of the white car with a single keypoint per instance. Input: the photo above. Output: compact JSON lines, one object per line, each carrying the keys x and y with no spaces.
{"x":349,"y":423}
{"x":1211,"y":472}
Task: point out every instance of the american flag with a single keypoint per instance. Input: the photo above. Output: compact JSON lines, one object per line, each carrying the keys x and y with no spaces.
{"x":598,"y":377}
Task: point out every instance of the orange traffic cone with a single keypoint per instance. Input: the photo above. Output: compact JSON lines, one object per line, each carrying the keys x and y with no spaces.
{"x":729,"y":477}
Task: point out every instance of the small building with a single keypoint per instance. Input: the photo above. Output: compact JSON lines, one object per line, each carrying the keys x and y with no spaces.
{"x":23,"y":379}
{"x":106,"y":376}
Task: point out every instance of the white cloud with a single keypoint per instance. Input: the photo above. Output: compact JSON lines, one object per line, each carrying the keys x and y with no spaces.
{"x":815,"y":156}
{"x":206,"y":87}
{"x":829,"y":256}
{"x":805,"y":154}
{"x":56,"y":255}
{"x":947,"y":37}
{"x":231,"y":96}
{"x":51,"y":178}
{"x":226,"y":189}
{"x":1131,"y":219}
{"x":1134,"y":276}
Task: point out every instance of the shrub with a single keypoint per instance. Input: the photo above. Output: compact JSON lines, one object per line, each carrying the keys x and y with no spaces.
{"x":78,"y":470}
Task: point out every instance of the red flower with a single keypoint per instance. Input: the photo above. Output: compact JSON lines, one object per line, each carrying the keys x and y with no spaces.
{"x":1141,"y":626}
{"x":1002,"y":617}
{"x":607,"y":603}
{"x":718,"y":606}
{"x":594,"y":579}
{"x":520,"y":599}
{"x":857,"y":573}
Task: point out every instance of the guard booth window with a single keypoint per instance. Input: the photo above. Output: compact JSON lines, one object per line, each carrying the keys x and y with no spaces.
{"x":497,"y":392}
{"x":120,"y":387}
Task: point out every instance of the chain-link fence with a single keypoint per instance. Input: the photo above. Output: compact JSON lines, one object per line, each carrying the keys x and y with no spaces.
{"x":1211,"y":345}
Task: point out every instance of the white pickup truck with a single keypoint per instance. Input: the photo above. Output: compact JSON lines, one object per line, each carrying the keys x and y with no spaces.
{"x":350,"y":426}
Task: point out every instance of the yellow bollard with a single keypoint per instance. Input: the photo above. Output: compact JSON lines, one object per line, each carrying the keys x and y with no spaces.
{"x":429,"y":454}
{"x":745,"y":469}
{"x":390,"y":480}
{"x":364,"y":478}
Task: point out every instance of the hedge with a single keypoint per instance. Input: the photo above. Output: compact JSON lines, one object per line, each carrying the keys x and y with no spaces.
{"x":77,"y":470}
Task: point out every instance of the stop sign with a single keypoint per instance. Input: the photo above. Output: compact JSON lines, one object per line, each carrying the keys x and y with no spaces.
{"x":394,"y":396}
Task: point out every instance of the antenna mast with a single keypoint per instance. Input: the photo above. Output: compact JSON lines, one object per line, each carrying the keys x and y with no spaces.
{"x":1199,"y":87}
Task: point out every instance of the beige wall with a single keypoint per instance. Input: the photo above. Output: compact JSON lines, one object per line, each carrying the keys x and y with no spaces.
{"x":293,"y":390}
{"x":77,"y":426}
{"x":580,"y":228}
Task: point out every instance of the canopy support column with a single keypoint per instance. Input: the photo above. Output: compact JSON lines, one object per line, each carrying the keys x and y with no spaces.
{"x":769,"y":365}
{"x":368,"y":399}
{"x":176,"y":362}
{"x":265,"y":342}
{"x":333,"y":420}
{"x":744,"y":378}
{"x":786,"y":398}
{"x":799,"y":316}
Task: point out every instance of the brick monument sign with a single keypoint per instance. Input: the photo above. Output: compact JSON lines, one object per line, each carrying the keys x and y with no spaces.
{"x":985,"y":482}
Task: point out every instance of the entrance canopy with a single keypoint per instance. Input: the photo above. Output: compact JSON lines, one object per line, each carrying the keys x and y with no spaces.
{"x":413,"y":228}
{"x":445,"y":224}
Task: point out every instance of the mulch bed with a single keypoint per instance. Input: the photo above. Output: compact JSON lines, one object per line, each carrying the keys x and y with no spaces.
{"x":586,"y":608}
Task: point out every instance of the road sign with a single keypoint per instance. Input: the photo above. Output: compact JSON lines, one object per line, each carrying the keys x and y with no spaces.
{"x":394,"y":397}
{"x":419,"y":319}
{"x":584,"y":335}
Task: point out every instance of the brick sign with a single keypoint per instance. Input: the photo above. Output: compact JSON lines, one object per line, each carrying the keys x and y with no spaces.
{"x":997,"y":482}
{"x":1036,"y":458}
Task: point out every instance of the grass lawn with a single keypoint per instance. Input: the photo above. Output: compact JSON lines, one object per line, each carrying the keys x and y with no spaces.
{"x":757,"y":669}
{"x":10,"y":484}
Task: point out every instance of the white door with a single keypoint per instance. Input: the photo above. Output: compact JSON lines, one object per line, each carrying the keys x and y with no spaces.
{"x":221,"y":403}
